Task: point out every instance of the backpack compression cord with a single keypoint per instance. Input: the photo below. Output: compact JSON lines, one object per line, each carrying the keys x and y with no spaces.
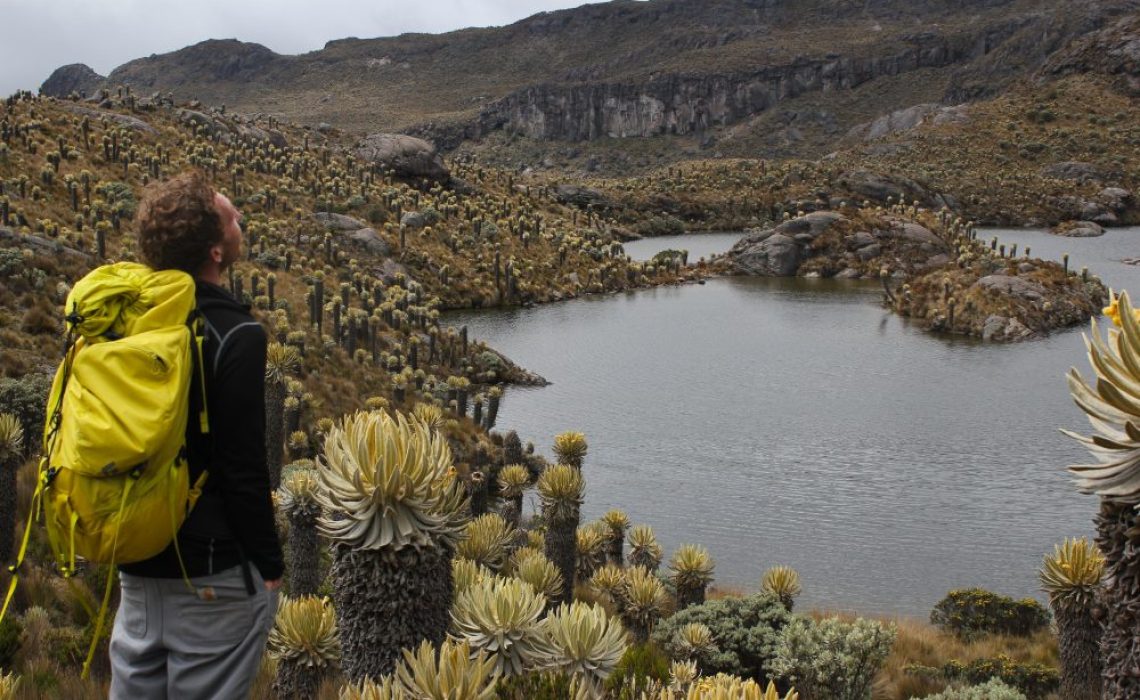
{"x":113,"y":484}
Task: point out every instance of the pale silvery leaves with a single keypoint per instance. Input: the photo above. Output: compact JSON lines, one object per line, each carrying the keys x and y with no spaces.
{"x":388,"y":483}
{"x":1113,"y":409}
{"x":501,"y":617}
{"x":587,"y":643}
{"x":831,"y":658}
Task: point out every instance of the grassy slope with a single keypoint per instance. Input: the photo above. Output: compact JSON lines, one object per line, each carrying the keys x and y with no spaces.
{"x":992,"y":164}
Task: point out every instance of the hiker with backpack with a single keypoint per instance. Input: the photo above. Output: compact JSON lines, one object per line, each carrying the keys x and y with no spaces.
{"x":193,"y":619}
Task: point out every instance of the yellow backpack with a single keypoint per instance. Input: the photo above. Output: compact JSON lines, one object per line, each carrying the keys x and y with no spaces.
{"x":114,"y":484}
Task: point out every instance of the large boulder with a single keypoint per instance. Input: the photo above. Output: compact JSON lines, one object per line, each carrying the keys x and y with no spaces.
{"x":1009,"y":285}
{"x":881,"y":188}
{"x":778,"y":251}
{"x":1073,"y":170}
{"x":775,"y":256}
{"x":906,"y":119}
{"x":1079,"y":229}
{"x":1116,"y":198}
{"x":370,"y":240}
{"x":407,"y":156}
{"x":580,"y":196}
{"x":125,"y":120}
{"x":339,"y":222}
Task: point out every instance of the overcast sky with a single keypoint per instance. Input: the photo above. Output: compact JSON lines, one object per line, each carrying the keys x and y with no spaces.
{"x":39,"y":36}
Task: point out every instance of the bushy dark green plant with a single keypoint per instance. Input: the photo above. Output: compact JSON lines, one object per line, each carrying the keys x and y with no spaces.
{"x":661,"y":226}
{"x":120,"y":197}
{"x":641,"y":664}
{"x":26,"y":397}
{"x":746,"y":632}
{"x":1036,"y":681}
{"x":534,"y":686}
{"x":832,"y":659}
{"x":11,"y":632}
{"x":972,"y":612}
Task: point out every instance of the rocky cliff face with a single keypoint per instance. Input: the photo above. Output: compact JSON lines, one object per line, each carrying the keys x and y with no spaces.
{"x":684,"y":104}
{"x":625,"y":69}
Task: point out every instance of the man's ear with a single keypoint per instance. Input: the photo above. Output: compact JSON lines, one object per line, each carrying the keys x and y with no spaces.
{"x":216,"y":253}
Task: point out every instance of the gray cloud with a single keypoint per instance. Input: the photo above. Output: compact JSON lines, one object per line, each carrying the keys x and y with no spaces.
{"x":40,"y":36}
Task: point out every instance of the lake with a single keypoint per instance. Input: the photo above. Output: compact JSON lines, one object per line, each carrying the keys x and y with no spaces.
{"x":791,"y":421}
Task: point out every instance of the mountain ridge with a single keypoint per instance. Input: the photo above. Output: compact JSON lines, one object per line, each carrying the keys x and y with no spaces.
{"x":628,"y":69}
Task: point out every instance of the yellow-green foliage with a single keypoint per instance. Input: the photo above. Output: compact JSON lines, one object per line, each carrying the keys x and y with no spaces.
{"x":562,"y":489}
{"x":11,"y":438}
{"x":570,"y":448}
{"x":534,"y":568}
{"x":1071,"y":575}
{"x":513,"y":480}
{"x":466,"y":573}
{"x":305,"y":631}
{"x":692,"y":566}
{"x":485,"y":541}
{"x":457,"y":672}
{"x":781,"y":581}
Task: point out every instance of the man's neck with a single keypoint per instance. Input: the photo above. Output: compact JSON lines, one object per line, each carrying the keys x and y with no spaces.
{"x":211,"y":272}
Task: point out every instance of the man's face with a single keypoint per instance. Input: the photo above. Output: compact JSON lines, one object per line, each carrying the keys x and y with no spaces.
{"x":230,"y":247}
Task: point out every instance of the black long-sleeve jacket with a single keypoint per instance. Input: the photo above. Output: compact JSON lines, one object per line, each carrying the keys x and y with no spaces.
{"x":233,"y":518}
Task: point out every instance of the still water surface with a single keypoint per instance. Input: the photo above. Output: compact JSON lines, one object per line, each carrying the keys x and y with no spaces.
{"x":797,"y":422}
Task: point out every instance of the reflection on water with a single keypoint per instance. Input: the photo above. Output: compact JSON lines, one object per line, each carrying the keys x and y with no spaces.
{"x":797,"y":422}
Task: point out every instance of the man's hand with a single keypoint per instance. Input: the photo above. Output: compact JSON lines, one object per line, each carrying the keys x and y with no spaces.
{"x":273,"y":585}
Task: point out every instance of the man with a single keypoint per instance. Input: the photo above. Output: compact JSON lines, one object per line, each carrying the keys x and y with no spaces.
{"x":170,"y":641}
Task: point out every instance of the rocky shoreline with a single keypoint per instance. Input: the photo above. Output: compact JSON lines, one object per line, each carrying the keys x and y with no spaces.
{"x":933,"y":268}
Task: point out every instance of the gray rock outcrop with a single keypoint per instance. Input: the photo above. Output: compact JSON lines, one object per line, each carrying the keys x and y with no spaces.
{"x":778,"y":251}
{"x":76,"y":78}
{"x":1018,"y":287}
{"x":907,"y":119}
{"x":339,"y":222}
{"x":878,"y":187}
{"x":408,"y":156}
{"x":370,"y":240}
{"x":114,"y":117}
{"x":1076,"y":171}
{"x":1080,"y":229}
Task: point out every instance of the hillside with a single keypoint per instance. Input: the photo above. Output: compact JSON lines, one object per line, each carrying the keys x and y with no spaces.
{"x":347,"y":260}
{"x":808,"y":71}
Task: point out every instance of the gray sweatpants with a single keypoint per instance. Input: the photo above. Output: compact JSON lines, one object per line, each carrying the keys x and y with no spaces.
{"x":169,"y":642}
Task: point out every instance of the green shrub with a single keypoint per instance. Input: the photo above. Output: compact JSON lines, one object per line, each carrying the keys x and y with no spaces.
{"x":746,"y":632}
{"x":534,"y":686}
{"x":639,"y":665}
{"x":972,"y":612}
{"x":120,"y":198}
{"x":661,"y":226}
{"x":26,"y":397}
{"x":993,"y":689}
{"x":11,"y":633}
{"x":1034,"y":680}
{"x":832,"y":659}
